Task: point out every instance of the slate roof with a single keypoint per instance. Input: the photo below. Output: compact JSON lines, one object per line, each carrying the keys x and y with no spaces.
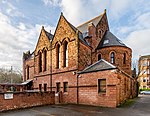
{"x":49,"y":35}
{"x":98,"y":66}
{"x":27,"y":81}
{"x":110,"y":40}
{"x":28,"y":55}
{"x":84,"y":27}
{"x":81,"y":37}
{"x":32,"y":55}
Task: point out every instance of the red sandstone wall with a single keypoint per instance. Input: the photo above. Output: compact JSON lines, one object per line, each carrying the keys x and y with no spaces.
{"x":30,"y":63}
{"x":84,"y":56}
{"x":24,"y":100}
{"x":72,"y":56}
{"x":119,"y":51}
{"x":101,"y":28}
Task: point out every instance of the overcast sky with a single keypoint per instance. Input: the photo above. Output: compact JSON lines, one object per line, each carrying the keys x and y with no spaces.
{"x":21,"y":22}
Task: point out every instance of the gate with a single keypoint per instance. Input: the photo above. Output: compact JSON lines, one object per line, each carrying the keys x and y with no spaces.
{"x":58,"y":97}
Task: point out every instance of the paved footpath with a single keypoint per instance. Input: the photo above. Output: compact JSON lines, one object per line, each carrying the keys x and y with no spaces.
{"x":140,"y":108}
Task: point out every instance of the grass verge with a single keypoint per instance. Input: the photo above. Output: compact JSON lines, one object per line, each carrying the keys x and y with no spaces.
{"x":128,"y":103}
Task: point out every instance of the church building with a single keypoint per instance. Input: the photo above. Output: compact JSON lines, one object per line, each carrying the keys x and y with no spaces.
{"x":83,"y":65}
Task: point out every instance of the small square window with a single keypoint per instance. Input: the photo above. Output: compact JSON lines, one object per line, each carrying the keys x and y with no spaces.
{"x":45,"y":87}
{"x":102,"y":85}
{"x":58,"y":87}
{"x":40,"y":87}
{"x":65,"y":86}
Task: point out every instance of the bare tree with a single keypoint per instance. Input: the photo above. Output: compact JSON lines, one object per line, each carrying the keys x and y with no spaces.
{"x":6,"y":76}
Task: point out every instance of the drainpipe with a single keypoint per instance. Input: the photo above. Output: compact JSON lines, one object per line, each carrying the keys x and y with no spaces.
{"x":77,"y":89}
{"x":50,"y":65}
{"x":77,"y":64}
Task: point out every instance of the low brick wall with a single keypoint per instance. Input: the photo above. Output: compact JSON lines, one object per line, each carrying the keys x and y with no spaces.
{"x":25,"y":99}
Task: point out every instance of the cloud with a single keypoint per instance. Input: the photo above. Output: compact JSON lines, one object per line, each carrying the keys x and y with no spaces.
{"x":10,"y":9}
{"x":139,"y":42}
{"x":143,"y":20}
{"x":119,"y":8}
{"x":14,"y":40}
{"x":79,"y":11}
{"x":136,"y":34}
{"x":52,"y":2}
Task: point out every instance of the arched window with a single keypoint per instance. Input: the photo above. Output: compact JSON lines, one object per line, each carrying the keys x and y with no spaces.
{"x":45,"y":60}
{"x":112,"y":57}
{"x":124,"y":58}
{"x":100,"y":33}
{"x":99,"y":56}
{"x":65,"y":54}
{"x":27,"y":72}
{"x":40,"y":62}
{"x":58,"y":56}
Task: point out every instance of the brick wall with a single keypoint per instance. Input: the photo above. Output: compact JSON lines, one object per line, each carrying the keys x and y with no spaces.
{"x":71,"y":95}
{"x":43,"y":79}
{"x":88,"y":89}
{"x":118,"y":88}
{"x":124,"y":88}
{"x":26,"y":99}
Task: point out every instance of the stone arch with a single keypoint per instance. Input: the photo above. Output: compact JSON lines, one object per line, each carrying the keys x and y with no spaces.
{"x":40,"y":61}
{"x":65,"y":54}
{"x":58,"y":55}
{"x":45,"y":59}
{"x":66,"y":39}
{"x":58,"y":42}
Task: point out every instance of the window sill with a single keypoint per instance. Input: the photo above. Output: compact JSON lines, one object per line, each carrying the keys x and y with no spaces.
{"x":102,"y":94}
{"x":66,"y":93}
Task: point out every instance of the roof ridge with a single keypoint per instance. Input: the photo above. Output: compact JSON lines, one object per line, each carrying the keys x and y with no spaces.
{"x":90,"y":20}
{"x":108,"y":63}
{"x":98,"y":66}
{"x":92,"y":64}
{"x":71,"y":25}
{"x":99,"y":62}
